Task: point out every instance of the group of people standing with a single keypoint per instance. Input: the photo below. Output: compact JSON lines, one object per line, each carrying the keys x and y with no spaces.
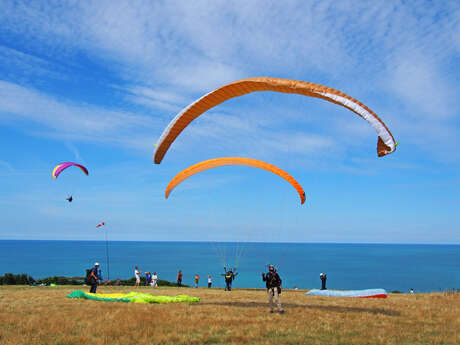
{"x":229,"y":277}
{"x":150,"y":279}
{"x":180,"y":276}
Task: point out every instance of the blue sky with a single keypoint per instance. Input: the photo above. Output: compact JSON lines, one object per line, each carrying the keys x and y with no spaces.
{"x":97,"y":82}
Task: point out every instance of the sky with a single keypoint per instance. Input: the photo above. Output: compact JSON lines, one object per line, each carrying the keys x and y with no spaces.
{"x":96,"y":82}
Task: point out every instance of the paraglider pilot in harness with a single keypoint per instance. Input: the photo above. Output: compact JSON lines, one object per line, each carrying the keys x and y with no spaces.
{"x":229,"y":277}
{"x":273,"y":282}
{"x":91,"y":278}
{"x":69,"y":199}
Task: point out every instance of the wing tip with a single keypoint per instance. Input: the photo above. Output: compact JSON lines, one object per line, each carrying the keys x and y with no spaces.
{"x":383,"y":149}
{"x":157,"y":157}
{"x":302,"y":199}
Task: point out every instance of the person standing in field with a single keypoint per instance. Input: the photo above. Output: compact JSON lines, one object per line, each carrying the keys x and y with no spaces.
{"x":229,"y":277}
{"x":179,"y":278}
{"x":148,"y":278}
{"x":273,"y":283}
{"x":323,"y":277}
{"x":209,"y":281}
{"x":93,"y":278}
{"x":197,"y":279}
{"x":154,"y":282}
{"x":137,"y":275}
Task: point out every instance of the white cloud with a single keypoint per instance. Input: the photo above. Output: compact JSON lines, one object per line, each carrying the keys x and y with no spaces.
{"x":75,"y":152}
{"x":421,"y":86}
{"x":22,"y":65}
{"x":70,"y":121}
{"x":155,"y":98}
{"x":172,"y":52}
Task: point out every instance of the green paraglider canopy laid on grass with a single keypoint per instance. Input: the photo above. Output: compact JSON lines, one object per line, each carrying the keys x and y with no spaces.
{"x":133,"y":297}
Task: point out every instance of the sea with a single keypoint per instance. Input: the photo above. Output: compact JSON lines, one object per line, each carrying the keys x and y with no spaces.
{"x":401,"y":267}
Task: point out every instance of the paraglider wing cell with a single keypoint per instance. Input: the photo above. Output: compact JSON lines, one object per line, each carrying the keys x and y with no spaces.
{"x":386,"y":143}
{"x":218,"y":162}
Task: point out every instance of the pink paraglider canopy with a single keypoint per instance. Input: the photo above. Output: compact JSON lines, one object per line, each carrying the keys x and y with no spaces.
{"x":61,"y":167}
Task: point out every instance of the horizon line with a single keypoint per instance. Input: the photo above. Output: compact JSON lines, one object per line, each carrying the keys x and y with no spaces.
{"x":255,"y":242}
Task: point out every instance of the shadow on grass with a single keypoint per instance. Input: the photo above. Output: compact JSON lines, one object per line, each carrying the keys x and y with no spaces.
{"x":331,"y":308}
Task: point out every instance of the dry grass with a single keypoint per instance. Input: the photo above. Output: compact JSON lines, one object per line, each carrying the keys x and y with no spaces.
{"x":43,"y":315}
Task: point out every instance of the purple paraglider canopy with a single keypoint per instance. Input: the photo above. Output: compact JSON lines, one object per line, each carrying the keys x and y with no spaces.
{"x":61,"y":167}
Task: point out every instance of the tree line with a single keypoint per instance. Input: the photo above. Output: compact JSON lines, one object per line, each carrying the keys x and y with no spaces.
{"x":25,"y":279}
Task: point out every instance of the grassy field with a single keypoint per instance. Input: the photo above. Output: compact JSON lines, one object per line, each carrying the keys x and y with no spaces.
{"x":43,"y":315}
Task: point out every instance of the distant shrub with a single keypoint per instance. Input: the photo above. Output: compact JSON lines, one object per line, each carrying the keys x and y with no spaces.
{"x":60,"y":281}
{"x":396,"y":291}
{"x":24,"y":279}
{"x":16,"y":279}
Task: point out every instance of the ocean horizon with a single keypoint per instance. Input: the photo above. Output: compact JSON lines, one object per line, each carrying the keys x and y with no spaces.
{"x":423,"y":267}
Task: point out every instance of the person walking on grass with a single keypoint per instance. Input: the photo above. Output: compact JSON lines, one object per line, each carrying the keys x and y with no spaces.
{"x":209,"y":281}
{"x":273,"y":283}
{"x":197,"y":279}
{"x":137,"y":275}
{"x":93,"y":278}
{"x":179,"y":278}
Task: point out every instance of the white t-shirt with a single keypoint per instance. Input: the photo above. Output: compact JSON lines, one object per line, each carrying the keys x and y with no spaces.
{"x":154,"y":277}
{"x":209,"y":280}
{"x":136,"y":274}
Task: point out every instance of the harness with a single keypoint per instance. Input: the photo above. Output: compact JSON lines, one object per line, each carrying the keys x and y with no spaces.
{"x":274,"y":280}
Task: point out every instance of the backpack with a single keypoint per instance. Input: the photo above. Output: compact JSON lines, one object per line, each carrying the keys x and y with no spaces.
{"x":89,"y":279}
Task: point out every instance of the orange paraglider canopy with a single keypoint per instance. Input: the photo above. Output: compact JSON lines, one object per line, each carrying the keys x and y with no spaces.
{"x":218,"y":162}
{"x":386,"y":143}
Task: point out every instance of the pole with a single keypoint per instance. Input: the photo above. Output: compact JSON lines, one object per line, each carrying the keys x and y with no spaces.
{"x":107,"y":253}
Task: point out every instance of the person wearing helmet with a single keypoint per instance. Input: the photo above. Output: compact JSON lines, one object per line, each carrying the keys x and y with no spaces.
{"x":93,"y":278}
{"x":323,"y":277}
{"x":229,"y":278}
{"x":273,"y":283}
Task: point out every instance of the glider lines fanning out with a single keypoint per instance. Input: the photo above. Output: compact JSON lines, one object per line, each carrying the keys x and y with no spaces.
{"x":61,"y":167}
{"x":385,"y":143}
{"x":219,"y":162}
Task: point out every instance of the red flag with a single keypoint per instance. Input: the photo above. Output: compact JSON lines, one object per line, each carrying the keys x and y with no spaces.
{"x":99,"y":225}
